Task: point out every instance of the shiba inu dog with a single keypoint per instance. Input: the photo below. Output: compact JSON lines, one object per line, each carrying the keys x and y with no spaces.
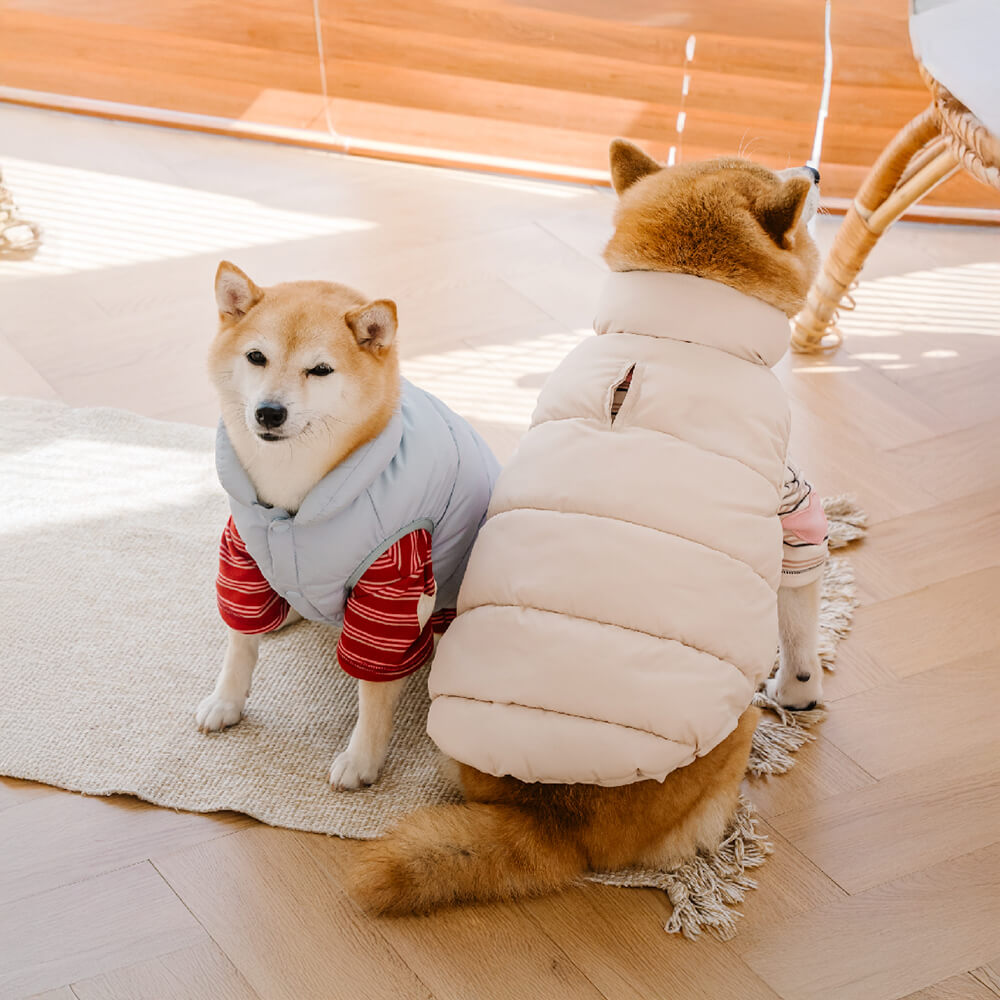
{"x":622,"y":601}
{"x":355,"y":496}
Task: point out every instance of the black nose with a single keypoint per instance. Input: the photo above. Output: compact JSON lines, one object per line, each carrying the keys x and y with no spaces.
{"x":270,"y":415}
{"x":814,"y":172}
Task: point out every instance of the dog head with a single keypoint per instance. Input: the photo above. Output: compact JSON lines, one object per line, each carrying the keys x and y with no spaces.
{"x":728,"y":219}
{"x":303,"y":360}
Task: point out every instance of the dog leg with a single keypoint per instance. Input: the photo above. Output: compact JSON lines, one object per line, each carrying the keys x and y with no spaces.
{"x":224,"y":706}
{"x":361,"y":762}
{"x":798,"y":684}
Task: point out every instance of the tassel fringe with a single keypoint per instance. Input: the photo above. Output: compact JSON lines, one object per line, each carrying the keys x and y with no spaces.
{"x":704,"y":891}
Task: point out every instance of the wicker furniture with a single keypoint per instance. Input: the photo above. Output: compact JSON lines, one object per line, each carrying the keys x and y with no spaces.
{"x":944,"y":138}
{"x":18,"y":237}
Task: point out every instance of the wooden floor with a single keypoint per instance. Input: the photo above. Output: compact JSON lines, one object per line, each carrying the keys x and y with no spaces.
{"x":885,"y":881}
{"x":545,"y":81}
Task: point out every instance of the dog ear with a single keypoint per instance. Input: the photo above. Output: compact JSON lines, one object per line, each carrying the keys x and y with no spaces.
{"x":374,"y":325}
{"x":629,"y":164}
{"x":235,"y":293}
{"x":779,"y":211}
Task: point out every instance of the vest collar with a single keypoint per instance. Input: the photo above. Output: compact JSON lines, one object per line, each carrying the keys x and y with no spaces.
{"x":693,"y":310}
{"x":338,"y":489}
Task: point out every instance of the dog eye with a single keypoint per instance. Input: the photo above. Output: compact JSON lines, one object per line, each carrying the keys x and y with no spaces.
{"x":256,"y":358}
{"x":319,"y":370}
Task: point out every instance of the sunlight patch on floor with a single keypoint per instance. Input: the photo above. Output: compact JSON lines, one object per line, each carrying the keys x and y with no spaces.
{"x":826,"y":369}
{"x":93,"y":220}
{"x":106,"y":479}
{"x":950,"y":301}
{"x":497,"y":383}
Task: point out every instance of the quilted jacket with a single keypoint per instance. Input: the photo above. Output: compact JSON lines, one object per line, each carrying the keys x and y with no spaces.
{"x":619,"y":607}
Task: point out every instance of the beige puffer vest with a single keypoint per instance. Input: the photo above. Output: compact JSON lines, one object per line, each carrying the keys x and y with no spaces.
{"x":619,"y":607}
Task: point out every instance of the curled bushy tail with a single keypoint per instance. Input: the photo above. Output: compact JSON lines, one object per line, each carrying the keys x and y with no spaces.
{"x":445,"y":855}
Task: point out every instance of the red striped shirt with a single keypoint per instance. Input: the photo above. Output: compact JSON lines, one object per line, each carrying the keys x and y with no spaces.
{"x":388,"y":630}
{"x":246,"y":601}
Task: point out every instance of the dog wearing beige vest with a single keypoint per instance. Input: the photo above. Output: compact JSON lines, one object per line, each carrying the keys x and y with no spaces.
{"x":625,"y":597}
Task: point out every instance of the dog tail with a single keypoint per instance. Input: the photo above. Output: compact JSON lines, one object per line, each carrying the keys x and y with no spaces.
{"x":476,"y":852}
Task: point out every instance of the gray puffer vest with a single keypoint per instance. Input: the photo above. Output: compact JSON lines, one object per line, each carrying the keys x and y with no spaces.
{"x":427,"y":469}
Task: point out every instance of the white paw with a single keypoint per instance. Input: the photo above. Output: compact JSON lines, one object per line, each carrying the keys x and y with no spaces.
{"x":216,"y":713}
{"x":353,"y":770}
{"x":790,"y":691}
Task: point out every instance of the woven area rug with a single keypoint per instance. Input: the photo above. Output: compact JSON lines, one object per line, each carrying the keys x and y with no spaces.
{"x":112,"y":637}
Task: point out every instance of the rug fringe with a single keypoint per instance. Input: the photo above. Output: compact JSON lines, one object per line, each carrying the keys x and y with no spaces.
{"x":704,"y":891}
{"x":775,"y":740}
{"x":847,"y":520}
{"x":847,"y":523}
{"x":837,"y":603}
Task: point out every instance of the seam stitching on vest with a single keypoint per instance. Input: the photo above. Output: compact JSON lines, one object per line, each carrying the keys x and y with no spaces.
{"x":759,"y":363}
{"x":572,"y":715}
{"x":625,"y":628}
{"x":458,"y":466}
{"x":636,"y":524}
{"x":420,"y":522}
{"x":676,"y":437}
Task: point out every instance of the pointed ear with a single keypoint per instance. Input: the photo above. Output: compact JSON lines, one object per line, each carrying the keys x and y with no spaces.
{"x":629,"y":164}
{"x":235,"y":293}
{"x":779,"y":211}
{"x":374,"y":325}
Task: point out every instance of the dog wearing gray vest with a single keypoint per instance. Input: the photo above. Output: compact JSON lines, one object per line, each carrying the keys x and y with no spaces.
{"x":355,"y":496}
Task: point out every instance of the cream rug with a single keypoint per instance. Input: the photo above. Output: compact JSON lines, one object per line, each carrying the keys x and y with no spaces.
{"x":108,"y":554}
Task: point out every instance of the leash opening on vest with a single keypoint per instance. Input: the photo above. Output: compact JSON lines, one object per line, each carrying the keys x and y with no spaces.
{"x":621,"y":391}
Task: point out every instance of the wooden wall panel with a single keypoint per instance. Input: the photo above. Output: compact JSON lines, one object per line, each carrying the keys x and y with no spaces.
{"x":550,"y":81}
{"x":582,"y":76}
{"x":219,"y":58}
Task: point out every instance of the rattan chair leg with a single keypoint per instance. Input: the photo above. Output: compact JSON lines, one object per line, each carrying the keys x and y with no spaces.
{"x":895,"y":158}
{"x":928,"y":153}
{"x":920,"y":184}
{"x":881,"y":199}
{"x":19,"y":238}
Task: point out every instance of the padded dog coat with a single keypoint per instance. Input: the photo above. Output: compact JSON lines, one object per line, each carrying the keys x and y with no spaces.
{"x":619,"y":608}
{"x":427,"y":469}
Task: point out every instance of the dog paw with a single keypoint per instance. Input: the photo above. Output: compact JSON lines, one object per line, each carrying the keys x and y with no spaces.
{"x":215,"y":713}
{"x":797,"y":691}
{"x":353,"y":770}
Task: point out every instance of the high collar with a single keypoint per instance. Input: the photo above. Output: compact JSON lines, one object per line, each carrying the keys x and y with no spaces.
{"x":693,"y":310}
{"x":339,"y":488}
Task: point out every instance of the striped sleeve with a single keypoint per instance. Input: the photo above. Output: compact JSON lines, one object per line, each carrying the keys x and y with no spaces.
{"x":388,"y":622}
{"x":246,"y":601}
{"x":804,"y":527}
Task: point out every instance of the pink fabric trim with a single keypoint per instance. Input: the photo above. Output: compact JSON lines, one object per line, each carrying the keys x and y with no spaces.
{"x":809,"y":524}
